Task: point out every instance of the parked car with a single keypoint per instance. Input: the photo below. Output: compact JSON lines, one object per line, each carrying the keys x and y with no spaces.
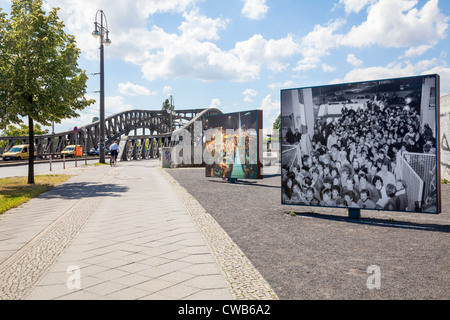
{"x":96,"y":151}
{"x":72,"y":150}
{"x":18,"y":152}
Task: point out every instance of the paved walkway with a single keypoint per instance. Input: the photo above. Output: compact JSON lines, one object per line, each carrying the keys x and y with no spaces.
{"x":129,"y":232}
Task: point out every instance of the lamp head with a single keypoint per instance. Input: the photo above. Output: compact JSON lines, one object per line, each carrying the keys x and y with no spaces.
{"x":107,"y":40}
{"x":96,"y":33}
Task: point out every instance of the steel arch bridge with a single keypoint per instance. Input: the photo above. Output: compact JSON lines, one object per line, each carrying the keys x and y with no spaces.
{"x":159,"y":124}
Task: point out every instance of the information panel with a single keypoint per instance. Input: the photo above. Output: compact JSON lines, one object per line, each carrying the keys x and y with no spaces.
{"x":232,"y":145}
{"x":367,"y":145}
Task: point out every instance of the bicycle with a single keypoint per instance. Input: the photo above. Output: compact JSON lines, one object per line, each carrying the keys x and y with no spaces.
{"x":114,"y":153}
{"x":113,"y":160}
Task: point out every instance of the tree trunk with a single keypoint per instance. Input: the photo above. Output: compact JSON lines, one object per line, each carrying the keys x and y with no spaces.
{"x":31,"y":151}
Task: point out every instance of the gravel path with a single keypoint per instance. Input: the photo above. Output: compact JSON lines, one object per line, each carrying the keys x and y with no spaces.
{"x":320,"y":253}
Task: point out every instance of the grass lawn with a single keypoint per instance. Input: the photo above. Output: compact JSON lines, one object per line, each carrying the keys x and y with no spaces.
{"x":15,"y":191}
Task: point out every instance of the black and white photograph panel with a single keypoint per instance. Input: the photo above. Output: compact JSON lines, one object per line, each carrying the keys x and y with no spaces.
{"x":367,"y":145}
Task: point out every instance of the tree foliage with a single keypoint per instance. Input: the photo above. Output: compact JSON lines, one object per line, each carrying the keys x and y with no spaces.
{"x":277,"y":125}
{"x":21,"y":131}
{"x":166,"y":105}
{"x":40,"y":76}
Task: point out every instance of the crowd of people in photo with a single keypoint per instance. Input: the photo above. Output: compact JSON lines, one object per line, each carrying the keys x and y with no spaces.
{"x":353,"y":158}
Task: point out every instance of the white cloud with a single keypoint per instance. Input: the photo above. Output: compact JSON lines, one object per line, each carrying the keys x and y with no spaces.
{"x":255,"y":9}
{"x":191,"y":50}
{"x":201,"y":27}
{"x":444,"y":73}
{"x":249,"y":94}
{"x":327,"y":68}
{"x":318,"y":43}
{"x":283,"y":85}
{"x":373,"y":73}
{"x":167,"y":89}
{"x":116,"y":104}
{"x":270,"y":109}
{"x":268,"y":106}
{"x":126,"y":20}
{"x":351,"y":58}
{"x":354,"y":5}
{"x":215,"y":103}
{"x":416,"y":51}
{"x":131,"y":89}
{"x":257,"y":51}
{"x":323,"y":38}
{"x":399,"y":69}
{"x":304,"y":65}
{"x":399,"y":23}
{"x":150,"y":7}
{"x":113,"y":105}
{"x":389,"y":24}
{"x":179,"y":56}
{"x":426,"y":64}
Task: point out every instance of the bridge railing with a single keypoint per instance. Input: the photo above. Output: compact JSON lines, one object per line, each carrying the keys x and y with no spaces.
{"x":116,"y":126}
{"x":148,"y":146}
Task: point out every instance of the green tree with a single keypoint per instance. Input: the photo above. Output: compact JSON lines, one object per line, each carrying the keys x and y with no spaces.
{"x":277,"y":125}
{"x":166,"y":105}
{"x":21,"y":131}
{"x":41,"y":80}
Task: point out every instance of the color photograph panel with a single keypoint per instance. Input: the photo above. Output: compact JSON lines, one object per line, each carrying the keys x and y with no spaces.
{"x":234,"y":146}
{"x":368,"y":145}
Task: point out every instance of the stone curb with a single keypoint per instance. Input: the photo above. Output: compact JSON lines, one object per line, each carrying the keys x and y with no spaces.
{"x":244,"y":280}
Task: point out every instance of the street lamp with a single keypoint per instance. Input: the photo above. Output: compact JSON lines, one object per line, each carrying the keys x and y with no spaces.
{"x":171,"y":112}
{"x":101,"y":31}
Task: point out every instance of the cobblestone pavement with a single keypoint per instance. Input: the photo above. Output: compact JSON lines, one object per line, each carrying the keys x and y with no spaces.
{"x":313,"y":253}
{"x":121,"y":233}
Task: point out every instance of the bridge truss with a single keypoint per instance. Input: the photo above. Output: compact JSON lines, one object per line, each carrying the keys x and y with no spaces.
{"x":159,"y":124}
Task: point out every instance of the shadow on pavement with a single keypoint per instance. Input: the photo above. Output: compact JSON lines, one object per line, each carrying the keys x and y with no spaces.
{"x":377,"y":222}
{"x":83,"y":190}
{"x":246,"y":183}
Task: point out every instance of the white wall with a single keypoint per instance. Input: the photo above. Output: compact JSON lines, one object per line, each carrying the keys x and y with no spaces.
{"x":445,"y":137}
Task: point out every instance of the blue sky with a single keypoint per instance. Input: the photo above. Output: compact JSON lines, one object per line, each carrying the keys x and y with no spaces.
{"x":238,"y":54}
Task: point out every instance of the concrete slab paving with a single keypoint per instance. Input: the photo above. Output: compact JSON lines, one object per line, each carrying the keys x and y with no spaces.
{"x":111,"y":233}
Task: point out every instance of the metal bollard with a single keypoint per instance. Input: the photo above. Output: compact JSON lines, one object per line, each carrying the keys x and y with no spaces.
{"x":64,"y":161}
{"x":51,"y":162}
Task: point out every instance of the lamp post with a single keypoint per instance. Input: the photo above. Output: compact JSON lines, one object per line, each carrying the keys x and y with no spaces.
{"x":171,"y":113}
{"x":101,"y":31}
